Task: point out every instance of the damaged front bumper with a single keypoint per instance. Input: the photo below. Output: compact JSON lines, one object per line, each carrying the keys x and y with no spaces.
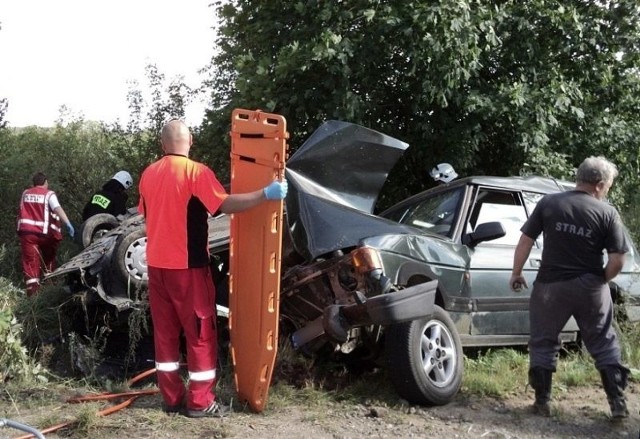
{"x":401,"y":306}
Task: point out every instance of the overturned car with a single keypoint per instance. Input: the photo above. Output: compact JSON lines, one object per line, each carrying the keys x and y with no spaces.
{"x":408,"y":288}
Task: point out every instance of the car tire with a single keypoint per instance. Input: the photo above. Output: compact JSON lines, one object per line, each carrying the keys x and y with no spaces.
{"x":96,"y":226}
{"x":129,"y":260}
{"x":424,"y":359}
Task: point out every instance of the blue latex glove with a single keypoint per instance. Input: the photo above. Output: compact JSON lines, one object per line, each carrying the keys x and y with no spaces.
{"x":71,"y":230}
{"x":277,"y":190}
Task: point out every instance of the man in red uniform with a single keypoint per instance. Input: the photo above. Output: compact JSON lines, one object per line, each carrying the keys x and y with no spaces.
{"x":176,"y":196}
{"x":39,"y":230}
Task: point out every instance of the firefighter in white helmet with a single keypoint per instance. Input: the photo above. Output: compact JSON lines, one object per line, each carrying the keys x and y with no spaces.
{"x":112,"y":198}
{"x":444,"y":173}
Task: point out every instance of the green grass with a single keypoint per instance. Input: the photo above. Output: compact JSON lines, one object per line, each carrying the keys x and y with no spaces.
{"x":297,"y":381}
{"x":576,"y":369}
{"x":496,"y":372}
{"x":500,"y":372}
{"x":630,"y":342}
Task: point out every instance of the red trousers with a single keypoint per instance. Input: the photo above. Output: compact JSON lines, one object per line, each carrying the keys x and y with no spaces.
{"x":37,"y":251}
{"x":184,"y":301}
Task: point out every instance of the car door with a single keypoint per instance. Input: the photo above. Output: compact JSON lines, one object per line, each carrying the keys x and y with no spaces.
{"x":497,"y":310}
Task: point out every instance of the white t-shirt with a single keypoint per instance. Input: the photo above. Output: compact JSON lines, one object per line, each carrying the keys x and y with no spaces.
{"x":53,"y":202}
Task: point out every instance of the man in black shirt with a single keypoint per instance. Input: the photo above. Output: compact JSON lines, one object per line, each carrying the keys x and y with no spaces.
{"x":573,"y":280}
{"x":112,"y":198}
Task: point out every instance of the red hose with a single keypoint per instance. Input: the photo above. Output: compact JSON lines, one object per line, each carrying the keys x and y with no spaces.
{"x":141,"y":375}
{"x":133,"y":395}
{"x":102,"y":396}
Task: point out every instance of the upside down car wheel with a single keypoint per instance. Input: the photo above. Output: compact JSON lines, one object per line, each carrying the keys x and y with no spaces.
{"x":96,"y":226}
{"x":129,"y":258}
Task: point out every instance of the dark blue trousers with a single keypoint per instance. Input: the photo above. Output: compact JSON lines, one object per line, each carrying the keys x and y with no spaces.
{"x":588,"y":300}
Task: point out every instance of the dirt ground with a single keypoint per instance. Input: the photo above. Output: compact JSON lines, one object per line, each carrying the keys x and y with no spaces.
{"x":578,"y":413}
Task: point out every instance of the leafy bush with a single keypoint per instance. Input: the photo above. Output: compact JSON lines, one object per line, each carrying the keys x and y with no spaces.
{"x":76,"y":161}
{"x":79,"y":156}
{"x":15,"y":362}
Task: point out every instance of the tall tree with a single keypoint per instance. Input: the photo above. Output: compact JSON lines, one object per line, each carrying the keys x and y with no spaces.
{"x":4,"y":106}
{"x":139,"y":141}
{"x":493,"y":87}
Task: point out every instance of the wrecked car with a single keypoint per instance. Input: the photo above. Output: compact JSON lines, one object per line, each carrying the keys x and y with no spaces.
{"x":407,"y":288}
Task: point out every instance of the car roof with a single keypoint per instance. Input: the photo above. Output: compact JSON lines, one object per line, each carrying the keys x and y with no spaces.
{"x":532,"y":183}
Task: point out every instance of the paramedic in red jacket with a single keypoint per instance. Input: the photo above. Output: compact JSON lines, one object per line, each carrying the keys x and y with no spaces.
{"x":176,"y":196}
{"x":39,"y":230}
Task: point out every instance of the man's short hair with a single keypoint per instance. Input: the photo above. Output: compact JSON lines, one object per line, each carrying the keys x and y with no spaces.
{"x":170,"y":131}
{"x":593,"y":170}
{"x":39,"y":178}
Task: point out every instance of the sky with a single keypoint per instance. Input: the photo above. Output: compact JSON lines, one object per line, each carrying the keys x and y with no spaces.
{"x":84,"y":53}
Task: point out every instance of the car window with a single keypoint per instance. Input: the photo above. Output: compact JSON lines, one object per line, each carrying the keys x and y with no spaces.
{"x":436,"y":213}
{"x":530,"y":201}
{"x":502,"y":206}
{"x":511,"y":217}
{"x":397,"y":214}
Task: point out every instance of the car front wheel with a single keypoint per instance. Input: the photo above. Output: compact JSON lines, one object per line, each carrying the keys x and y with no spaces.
{"x":424,"y":359}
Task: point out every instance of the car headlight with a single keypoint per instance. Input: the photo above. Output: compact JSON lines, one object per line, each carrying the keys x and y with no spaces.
{"x":366,"y":259}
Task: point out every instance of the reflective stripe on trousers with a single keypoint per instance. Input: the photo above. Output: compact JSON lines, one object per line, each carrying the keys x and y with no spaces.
{"x":205,"y":375}
{"x":167,"y":367}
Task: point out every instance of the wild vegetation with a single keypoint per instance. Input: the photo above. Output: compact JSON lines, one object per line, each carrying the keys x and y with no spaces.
{"x":471,"y":83}
{"x":34,"y":391}
{"x":464,"y":82}
{"x":493,"y":88}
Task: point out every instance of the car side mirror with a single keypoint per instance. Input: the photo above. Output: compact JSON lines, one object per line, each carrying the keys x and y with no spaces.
{"x":484,"y":232}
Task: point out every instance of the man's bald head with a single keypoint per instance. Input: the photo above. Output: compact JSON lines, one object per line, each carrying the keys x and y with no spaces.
{"x":175,"y":137}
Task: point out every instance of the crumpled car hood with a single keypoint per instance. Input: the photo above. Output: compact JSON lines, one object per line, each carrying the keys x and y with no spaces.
{"x":335,"y":178}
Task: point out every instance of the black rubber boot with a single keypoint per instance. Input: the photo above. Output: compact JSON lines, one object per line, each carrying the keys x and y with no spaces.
{"x":614,"y":381}
{"x":540,"y":379}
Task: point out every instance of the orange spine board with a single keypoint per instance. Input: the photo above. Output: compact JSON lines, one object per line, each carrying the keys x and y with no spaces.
{"x":258,"y":152}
